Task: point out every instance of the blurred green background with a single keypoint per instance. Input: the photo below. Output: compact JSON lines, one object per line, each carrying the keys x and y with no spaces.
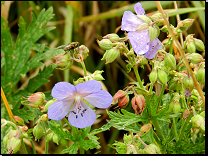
{"x":85,"y":22}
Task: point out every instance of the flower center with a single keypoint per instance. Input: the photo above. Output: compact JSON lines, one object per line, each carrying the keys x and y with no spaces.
{"x":78,"y":109}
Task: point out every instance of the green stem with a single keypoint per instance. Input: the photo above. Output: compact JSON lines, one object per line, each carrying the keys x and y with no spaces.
{"x":67,"y":123}
{"x":161,"y":94}
{"x":158,"y":130}
{"x":174,"y":126}
{"x":33,"y":147}
{"x":23,"y":146}
{"x":171,"y":47}
{"x":84,"y":68}
{"x":46,"y":147}
{"x":150,"y":90}
{"x":136,"y":72}
{"x":183,"y":127}
{"x":81,"y":150}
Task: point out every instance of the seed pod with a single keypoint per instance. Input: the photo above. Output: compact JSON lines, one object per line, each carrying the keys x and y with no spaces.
{"x":13,"y":145}
{"x":112,"y":37}
{"x":105,"y":44}
{"x":37,"y":132}
{"x":162,"y":76}
{"x":200,"y":76}
{"x":188,"y":83}
{"x":199,"y":44}
{"x":194,"y":58}
{"x":170,"y":61}
{"x":153,"y":76}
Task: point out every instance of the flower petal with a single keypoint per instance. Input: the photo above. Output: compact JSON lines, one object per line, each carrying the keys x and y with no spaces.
{"x":138,"y":9}
{"x":88,"y":87}
{"x":101,"y":99}
{"x":59,"y":109}
{"x":130,"y":21}
{"x":62,"y":90}
{"x":139,"y":41}
{"x":154,"y":46}
{"x":80,"y":121}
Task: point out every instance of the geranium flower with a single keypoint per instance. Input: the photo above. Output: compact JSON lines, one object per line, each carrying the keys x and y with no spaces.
{"x":71,"y":99}
{"x":139,"y":39}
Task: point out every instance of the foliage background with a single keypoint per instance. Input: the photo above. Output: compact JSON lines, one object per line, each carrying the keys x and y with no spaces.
{"x":85,"y":22}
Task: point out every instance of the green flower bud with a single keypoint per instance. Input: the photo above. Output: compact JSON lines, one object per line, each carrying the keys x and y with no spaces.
{"x":198,"y":122}
{"x":127,"y":139}
{"x":185,"y":24}
{"x":105,"y":44}
{"x":84,"y":51}
{"x":174,"y":84}
{"x":63,"y":60}
{"x":97,"y":75}
{"x":13,"y":145}
{"x":152,"y":33}
{"x":18,"y":120}
{"x":145,"y":18}
{"x":44,"y":117}
{"x":188,"y":83}
{"x":194,"y":58}
{"x":202,"y":114}
{"x":153,"y":76}
{"x":157,"y":16}
{"x":199,"y":44}
{"x":151,"y":149}
{"x":55,"y":139}
{"x":111,"y":55}
{"x":37,"y":99}
{"x":176,"y":108}
{"x":200,"y":76}
{"x":37,"y":132}
{"x":162,"y":76}
{"x":48,"y":104}
{"x":170,"y":61}
{"x":49,"y":137}
{"x":113,"y":37}
{"x":122,"y":98}
{"x":191,"y":48}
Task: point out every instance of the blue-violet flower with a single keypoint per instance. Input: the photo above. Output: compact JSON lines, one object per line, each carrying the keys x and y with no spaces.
{"x":71,"y":99}
{"x":139,"y":39}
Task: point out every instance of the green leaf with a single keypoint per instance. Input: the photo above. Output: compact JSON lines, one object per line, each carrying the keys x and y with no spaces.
{"x":103,"y":128}
{"x":72,"y":149}
{"x":94,"y":140}
{"x":87,"y":144}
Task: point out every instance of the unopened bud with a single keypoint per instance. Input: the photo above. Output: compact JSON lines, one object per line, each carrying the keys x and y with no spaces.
{"x":151,"y":149}
{"x":170,"y":61}
{"x":63,"y":60}
{"x":122,"y":98}
{"x":176,"y":107}
{"x":191,"y":48}
{"x":198,"y":122}
{"x":200,"y":76}
{"x":55,"y":139}
{"x":37,"y":132}
{"x":188,"y":83}
{"x":49,"y":137}
{"x":18,"y":120}
{"x":174,"y":84}
{"x":105,"y":44}
{"x":162,"y":76}
{"x":44,"y":117}
{"x":84,"y":51}
{"x":111,"y":55}
{"x":48,"y":104}
{"x":36,"y":100}
{"x":199,"y":44}
{"x":185,"y":24}
{"x":97,"y":75}
{"x":113,"y":37}
{"x":13,"y":145}
{"x":138,"y":103}
{"x":144,"y":129}
{"x":153,"y":76}
{"x":194,"y":58}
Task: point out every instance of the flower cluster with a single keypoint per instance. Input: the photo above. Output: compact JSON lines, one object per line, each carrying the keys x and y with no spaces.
{"x":72,"y":99}
{"x":139,"y":38}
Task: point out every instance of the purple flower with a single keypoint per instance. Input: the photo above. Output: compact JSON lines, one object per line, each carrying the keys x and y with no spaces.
{"x":72,"y":99}
{"x":139,"y":39}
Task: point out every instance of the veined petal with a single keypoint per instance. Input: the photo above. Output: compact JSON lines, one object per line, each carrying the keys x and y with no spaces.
{"x":138,"y":9}
{"x":62,"y":90}
{"x":139,"y":41}
{"x":82,"y":119}
{"x":59,"y":109}
{"x":130,"y":21}
{"x":101,"y":99}
{"x":154,"y":46}
{"x":88,"y":87}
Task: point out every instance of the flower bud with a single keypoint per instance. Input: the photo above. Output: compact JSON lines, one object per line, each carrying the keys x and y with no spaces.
{"x":185,"y":24}
{"x":97,"y":75}
{"x":14,"y":133}
{"x":191,"y":48}
{"x":162,"y":76}
{"x":84,"y":51}
{"x":131,"y":150}
{"x":18,"y":120}
{"x":49,"y":137}
{"x":48,"y":104}
{"x":145,"y":18}
{"x":200,"y":76}
{"x":176,"y":107}
{"x":13,"y":145}
{"x":113,"y":37}
{"x":194,"y":58}
{"x":174,"y":84}
{"x":37,"y":99}
{"x":122,"y":98}
{"x":144,"y":129}
{"x":153,"y":76}
{"x":170,"y":61}
{"x":156,"y":16}
{"x":79,"y":80}
{"x":37,"y":132}
{"x":152,"y":33}
{"x":63,"y":60}
{"x":151,"y":149}
{"x":198,"y":122}
{"x":186,"y":113}
{"x":199,"y":44}
{"x":105,"y":44}
{"x":111,"y":55}
{"x":44,"y":117}
{"x":138,"y":103}
{"x":55,"y":139}
{"x":127,"y":139}
{"x":188,"y":83}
